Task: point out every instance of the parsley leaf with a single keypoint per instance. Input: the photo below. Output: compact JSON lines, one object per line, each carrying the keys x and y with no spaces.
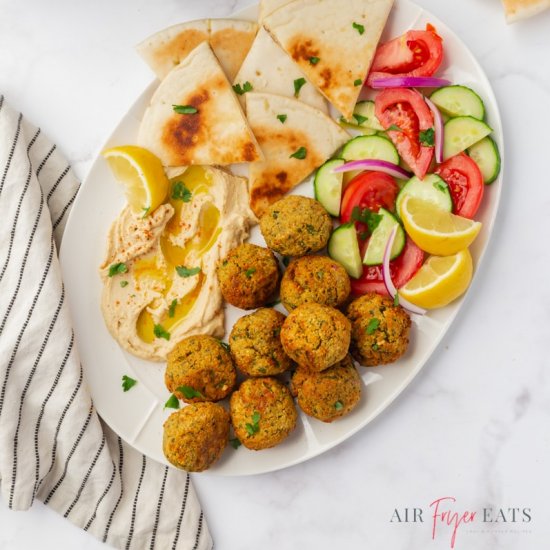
{"x":172,"y":403}
{"x":235,"y":443}
{"x":338,"y":405}
{"x":189,"y":392}
{"x":440,"y":186}
{"x":145,"y":211}
{"x":359,"y":28}
{"x":366,"y":216}
{"x":314,"y":60}
{"x":396,"y":299}
{"x":187,"y":271}
{"x":185,"y":109}
{"x":128,"y":383}
{"x":123,"y":283}
{"x":224,"y":345}
{"x":160,"y":332}
{"x":359,"y":118}
{"x":373,"y":325}
{"x":246,"y":87}
{"x":427,"y":137}
{"x":172,"y":308}
{"x":282,"y":118}
{"x":357,"y":82}
{"x":250,"y":272}
{"x":375,"y":347}
{"x":117,"y":269}
{"x":180,"y":192}
{"x":253,"y":427}
{"x":300,"y":154}
{"x":298,"y":83}
{"x":394,"y":128}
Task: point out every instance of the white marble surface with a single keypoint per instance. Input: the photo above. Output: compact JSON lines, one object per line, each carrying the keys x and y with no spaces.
{"x":474,"y":425}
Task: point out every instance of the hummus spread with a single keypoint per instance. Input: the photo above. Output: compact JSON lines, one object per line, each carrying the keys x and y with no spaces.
{"x":159,"y":275}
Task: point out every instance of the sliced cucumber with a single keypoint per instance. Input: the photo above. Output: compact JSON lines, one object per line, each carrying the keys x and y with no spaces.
{"x":379,"y":238}
{"x":344,"y":248}
{"x":362,"y":129}
{"x":370,"y":147}
{"x":363,"y":117}
{"x":432,"y":188}
{"x":487,"y":157}
{"x":459,"y":101}
{"x":328,"y":186}
{"x":461,"y":133}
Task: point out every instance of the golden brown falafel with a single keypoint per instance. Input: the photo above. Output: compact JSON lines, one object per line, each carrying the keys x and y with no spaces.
{"x":195,"y":436}
{"x":262,"y":413}
{"x":199,"y":368}
{"x":316,"y":336}
{"x":380,"y":330}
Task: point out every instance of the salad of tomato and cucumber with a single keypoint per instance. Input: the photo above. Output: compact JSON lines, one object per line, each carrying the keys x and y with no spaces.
{"x":405,"y":191}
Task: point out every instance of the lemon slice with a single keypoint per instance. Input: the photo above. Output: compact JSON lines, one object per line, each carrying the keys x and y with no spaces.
{"x":440,"y":280}
{"x":142,"y":175}
{"x":436,"y":231}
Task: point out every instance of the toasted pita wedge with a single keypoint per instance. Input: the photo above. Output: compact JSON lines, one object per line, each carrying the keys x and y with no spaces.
{"x":217,"y":133}
{"x":342,"y":35}
{"x":306,"y":132}
{"x":522,"y":9}
{"x":267,"y":7}
{"x":278,"y":75}
{"x":230,"y":39}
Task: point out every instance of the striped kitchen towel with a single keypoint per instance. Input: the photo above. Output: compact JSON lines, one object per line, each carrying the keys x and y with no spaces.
{"x":53,"y":445}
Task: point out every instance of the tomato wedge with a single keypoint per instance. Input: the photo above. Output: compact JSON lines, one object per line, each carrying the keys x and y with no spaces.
{"x":465,"y":182}
{"x":415,"y":53}
{"x":402,"y":270}
{"x":407,"y":112}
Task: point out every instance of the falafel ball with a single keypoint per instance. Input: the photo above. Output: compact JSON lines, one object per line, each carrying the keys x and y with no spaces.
{"x":256,"y":345}
{"x":330,"y":394}
{"x":200,"y":368}
{"x":380,"y":330}
{"x":195,"y":436}
{"x":296,"y":226}
{"x":248,"y":276}
{"x":316,"y":279}
{"x":316,"y":336}
{"x":263,"y":413}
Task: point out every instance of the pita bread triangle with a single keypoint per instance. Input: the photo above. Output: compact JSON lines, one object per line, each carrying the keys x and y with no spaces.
{"x":229,"y":38}
{"x":212,"y":131}
{"x":522,"y":9}
{"x":295,"y":139}
{"x":341,"y":36}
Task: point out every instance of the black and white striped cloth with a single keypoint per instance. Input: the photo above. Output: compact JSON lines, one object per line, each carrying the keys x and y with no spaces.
{"x":53,"y":446}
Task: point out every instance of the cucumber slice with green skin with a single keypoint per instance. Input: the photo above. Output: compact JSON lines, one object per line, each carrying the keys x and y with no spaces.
{"x":364,"y":117}
{"x":379,"y":238}
{"x":486,"y":155}
{"x":459,"y":101}
{"x":461,"y":133}
{"x":370,"y":147}
{"x":432,"y":188}
{"x":365,"y":131}
{"x":344,"y":248}
{"x":327,"y":186}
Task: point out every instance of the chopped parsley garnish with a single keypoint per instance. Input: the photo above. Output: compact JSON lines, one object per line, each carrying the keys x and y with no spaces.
{"x":282,"y":118}
{"x":128,"y":382}
{"x":145,"y":211}
{"x":224,"y":345}
{"x":314,"y":60}
{"x":189,"y":392}
{"x":375,"y":347}
{"x":440,"y":186}
{"x":235,"y":443}
{"x":123,"y":283}
{"x":187,"y":271}
{"x":338,"y":405}
{"x":172,"y":308}
{"x":298,"y":83}
{"x":427,"y":137}
{"x":359,"y":28}
{"x":254,"y":426}
{"x":172,"y":403}
{"x":300,"y":154}
{"x":396,"y":299}
{"x":180,"y":192}
{"x":394,"y":128}
{"x":360,"y":118}
{"x":246,"y":87}
{"x":366,"y":216}
{"x":357,"y":82}
{"x":373,"y":325}
{"x":117,"y":269}
{"x":250,"y":272}
{"x":185,"y":109}
{"x":160,"y":332}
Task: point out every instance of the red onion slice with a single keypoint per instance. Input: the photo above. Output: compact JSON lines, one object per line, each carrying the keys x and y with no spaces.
{"x":374,"y":166}
{"x":390,"y":287}
{"x":439,"y":130}
{"x":409,"y":82}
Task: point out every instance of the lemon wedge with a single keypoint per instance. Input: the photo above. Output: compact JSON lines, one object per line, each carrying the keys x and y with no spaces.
{"x":437,"y":231}
{"x":441,"y":280}
{"x":142,"y":175}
